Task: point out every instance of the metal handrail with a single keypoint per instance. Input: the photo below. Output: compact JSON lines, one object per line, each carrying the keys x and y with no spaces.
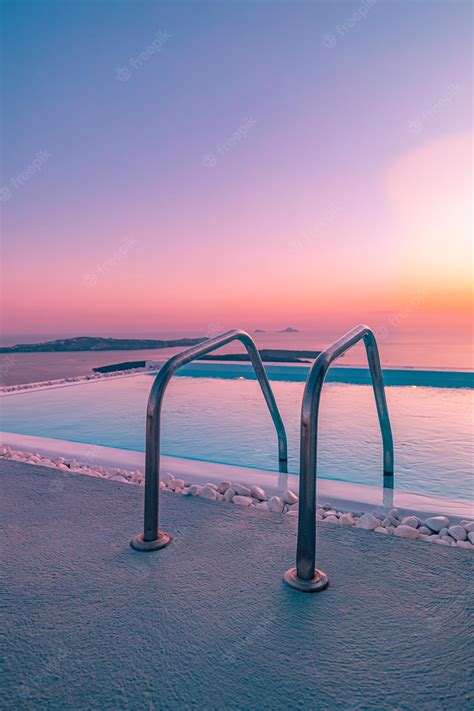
{"x":152,"y":538}
{"x":305,"y":576}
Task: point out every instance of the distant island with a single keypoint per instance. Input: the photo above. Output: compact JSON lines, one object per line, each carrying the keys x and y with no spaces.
{"x":92,"y":343}
{"x":259,"y":330}
{"x":289,"y":330}
{"x":268,"y":356}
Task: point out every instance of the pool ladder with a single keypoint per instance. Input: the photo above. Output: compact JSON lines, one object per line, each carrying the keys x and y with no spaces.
{"x":305,"y":576}
{"x":152,"y":538}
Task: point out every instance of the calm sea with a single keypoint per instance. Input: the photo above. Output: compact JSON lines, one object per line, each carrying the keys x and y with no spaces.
{"x":398,"y":348}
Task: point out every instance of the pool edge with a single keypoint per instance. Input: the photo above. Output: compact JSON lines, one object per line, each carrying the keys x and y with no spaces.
{"x":344,"y":495}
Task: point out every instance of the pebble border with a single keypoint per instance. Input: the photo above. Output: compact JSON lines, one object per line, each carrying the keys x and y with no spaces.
{"x":435,"y":529}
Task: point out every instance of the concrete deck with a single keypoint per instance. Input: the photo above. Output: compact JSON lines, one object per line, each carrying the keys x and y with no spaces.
{"x":207,"y":623}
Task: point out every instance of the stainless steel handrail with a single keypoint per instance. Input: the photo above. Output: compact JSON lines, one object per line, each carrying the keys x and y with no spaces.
{"x":152,"y":538}
{"x":305,"y":576}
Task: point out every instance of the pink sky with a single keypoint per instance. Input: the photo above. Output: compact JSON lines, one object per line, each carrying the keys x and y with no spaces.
{"x":347,"y":194}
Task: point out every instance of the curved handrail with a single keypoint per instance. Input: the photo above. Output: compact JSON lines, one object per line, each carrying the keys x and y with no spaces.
{"x":305,"y":576}
{"x":152,"y":537}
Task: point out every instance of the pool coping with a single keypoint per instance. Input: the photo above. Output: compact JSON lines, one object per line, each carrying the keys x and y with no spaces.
{"x":341,"y":494}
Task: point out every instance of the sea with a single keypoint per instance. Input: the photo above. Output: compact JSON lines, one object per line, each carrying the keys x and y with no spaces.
{"x":399,"y":348}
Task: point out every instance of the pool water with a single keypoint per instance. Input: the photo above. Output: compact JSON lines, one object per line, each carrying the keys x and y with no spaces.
{"x":222,"y":420}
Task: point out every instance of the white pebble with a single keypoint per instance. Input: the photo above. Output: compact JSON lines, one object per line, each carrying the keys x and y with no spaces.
{"x":441,"y":542}
{"x":381,"y":529}
{"x":331,"y":512}
{"x":175,"y":484}
{"x":194,"y":490}
{"x":412,"y":521}
{"x":258,"y":493}
{"x":118,"y":477}
{"x":262,"y":506}
{"x":425,"y":530}
{"x":229,"y":495}
{"x":289,"y":497}
{"x":331,"y":519}
{"x":275,"y":504}
{"x":347,"y":519}
{"x":167,"y":477}
{"x":162,"y":484}
{"x":471,"y":536}
{"x":436,"y":523}
{"x":241,"y":490}
{"x":465,"y":544}
{"x":223,"y":486}
{"x":405,"y":531}
{"x":443,"y":532}
{"x":208,"y":493}
{"x":368,"y":522}
{"x":242,"y":500}
{"x":457,"y":532}
{"x":469,"y":527}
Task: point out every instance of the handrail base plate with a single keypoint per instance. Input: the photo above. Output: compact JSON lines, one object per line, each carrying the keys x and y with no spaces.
{"x":139,"y":544}
{"x":318,"y":583}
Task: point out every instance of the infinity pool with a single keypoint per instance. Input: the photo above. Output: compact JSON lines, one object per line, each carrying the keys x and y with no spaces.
{"x":226,"y":420}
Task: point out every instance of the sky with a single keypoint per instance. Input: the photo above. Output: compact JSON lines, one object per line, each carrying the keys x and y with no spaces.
{"x":170,"y":165}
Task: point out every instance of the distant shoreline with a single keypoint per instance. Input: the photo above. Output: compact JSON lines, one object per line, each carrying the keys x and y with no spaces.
{"x":96,"y":344}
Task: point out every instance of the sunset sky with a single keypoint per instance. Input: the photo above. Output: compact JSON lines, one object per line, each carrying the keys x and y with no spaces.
{"x":172,"y":164}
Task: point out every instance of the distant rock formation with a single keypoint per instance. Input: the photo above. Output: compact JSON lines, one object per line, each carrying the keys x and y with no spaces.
{"x":259,"y":330}
{"x":90,"y":343}
{"x":268,"y":355}
{"x":289,"y":330}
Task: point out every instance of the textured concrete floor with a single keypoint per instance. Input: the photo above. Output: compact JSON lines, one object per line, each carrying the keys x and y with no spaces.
{"x":207,"y":622}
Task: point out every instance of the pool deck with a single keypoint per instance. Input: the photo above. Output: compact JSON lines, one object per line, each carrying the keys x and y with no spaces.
{"x":207,"y":623}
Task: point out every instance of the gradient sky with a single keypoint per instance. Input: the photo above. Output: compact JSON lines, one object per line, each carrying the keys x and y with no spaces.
{"x":261,"y":164}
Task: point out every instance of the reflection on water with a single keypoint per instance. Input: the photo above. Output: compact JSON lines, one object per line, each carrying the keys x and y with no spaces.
{"x":227,"y":421}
